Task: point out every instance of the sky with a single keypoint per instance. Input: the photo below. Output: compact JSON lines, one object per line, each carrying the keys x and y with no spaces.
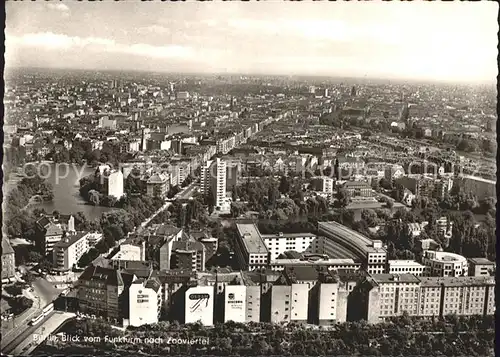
{"x":443,"y":41}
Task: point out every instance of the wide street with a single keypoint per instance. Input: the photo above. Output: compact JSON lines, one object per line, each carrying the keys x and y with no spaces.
{"x":43,"y":293}
{"x":27,"y":340}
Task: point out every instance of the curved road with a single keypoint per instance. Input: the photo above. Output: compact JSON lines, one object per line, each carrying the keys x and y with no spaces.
{"x":27,"y":341}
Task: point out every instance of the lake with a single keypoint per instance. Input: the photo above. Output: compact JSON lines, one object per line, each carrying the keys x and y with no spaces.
{"x":65,"y":180}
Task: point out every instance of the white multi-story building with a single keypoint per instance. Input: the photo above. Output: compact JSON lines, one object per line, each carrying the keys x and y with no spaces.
{"x":405,"y":267}
{"x":114,"y":184}
{"x":299,"y":242}
{"x":182,"y":95}
{"x":442,"y":264}
{"x":145,"y":302}
{"x":235,"y":303}
{"x":68,"y":251}
{"x":213,"y":177}
{"x":251,"y":251}
{"x":200,"y":305}
{"x":219,"y":183}
{"x":131,"y":252}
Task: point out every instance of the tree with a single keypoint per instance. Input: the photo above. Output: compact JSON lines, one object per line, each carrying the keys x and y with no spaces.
{"x":376,"y":184}
{"x":386,"y":184}
{"x":28,"y":277}
{"x":370,"y":217}
{"x":284,"y":186}
{"x":34,"y":256}
{"x":210,"y":200}
{"x":342,"y":197}
{"x":94,"y":197}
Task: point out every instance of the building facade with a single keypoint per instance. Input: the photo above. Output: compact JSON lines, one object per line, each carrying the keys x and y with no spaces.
{"x":8,"y":260}
{"x":200,"y":305}
{"x":68,"y":251}
{"x":145,"y":302}
{"x":444,"y":264}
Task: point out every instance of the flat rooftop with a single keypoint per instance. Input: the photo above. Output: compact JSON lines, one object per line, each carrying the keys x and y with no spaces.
{"x":404,"y":263}
{"x":314,"y":262}
{"x":395,"y":278}
{"x":251,"y":238}
{"x":457,"y":281}
{"x":70,"y":240}
{"x":477,"y":178}
{"x":288,"y":235}
{"x":482,"y":261}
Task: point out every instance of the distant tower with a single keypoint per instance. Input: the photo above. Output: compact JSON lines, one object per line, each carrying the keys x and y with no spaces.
{"x":353,"y":91}
{"x":326,"y":93}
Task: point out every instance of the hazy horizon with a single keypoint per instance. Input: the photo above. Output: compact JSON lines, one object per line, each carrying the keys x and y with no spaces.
{"x":437,"y":42}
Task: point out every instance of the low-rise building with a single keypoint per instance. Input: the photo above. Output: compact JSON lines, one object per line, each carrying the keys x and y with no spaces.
{"x":481,"y":267}
{"x":405,"y":267}
{"x":358,"y":189}
{"x":316,"y":261}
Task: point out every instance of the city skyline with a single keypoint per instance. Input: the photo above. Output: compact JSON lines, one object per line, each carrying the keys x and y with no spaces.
{"x":438,"y":41}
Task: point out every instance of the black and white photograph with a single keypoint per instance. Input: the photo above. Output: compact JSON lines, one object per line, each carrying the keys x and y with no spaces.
{"x":249,"y":178}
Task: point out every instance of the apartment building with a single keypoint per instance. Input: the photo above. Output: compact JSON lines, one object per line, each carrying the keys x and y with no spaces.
{"x":104,"y":292}
{"x":299,"y":242}
{"x":145,"y":301}
{"x":157,"y":184}
{"x":199,"y":306}
{"x":8,"y":260}
{"x":68,"y":251}
{"x":113,"y":184}
{"x":251,"y":251}
{"x":444,"y":264}
{"x":131,"y":250}
{"x":235,"y":303}
{"x":188,"y":255}
{"x":167,"y":236}
{"x":382,"y":296}
{"x":308,"y":295}
{"x":213,"y":179}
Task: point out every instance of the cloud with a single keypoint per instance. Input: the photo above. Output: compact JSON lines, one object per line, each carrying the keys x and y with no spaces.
{"x":146,"y":50}
{"x":157,"y":29}
{"x":51,"y":41}
{"x":58,"y":7}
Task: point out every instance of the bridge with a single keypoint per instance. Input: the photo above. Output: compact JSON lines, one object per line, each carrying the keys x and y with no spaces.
{"x":24,"y":343}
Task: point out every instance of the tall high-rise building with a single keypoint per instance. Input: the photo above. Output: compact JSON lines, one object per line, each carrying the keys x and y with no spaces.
{"x":353,"y":91}
{"x":213,"y":178}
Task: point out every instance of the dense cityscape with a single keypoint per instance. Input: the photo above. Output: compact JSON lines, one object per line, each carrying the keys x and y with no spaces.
{"x":155,"y":213}
{"x":272,"y":202}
